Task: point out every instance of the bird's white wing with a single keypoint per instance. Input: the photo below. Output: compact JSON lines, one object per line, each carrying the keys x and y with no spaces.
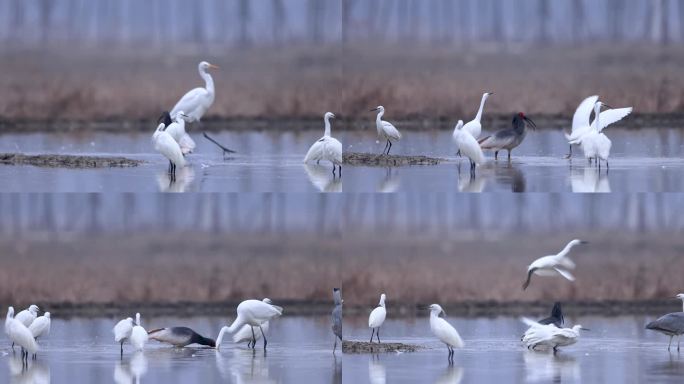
{"x":187,"y":144}
{"x":582,"y":114}
{"x":529,"y":322}
{"x":377,"y":317}
{"x":447,"y":333}
{"x":39,"y":326}
{"x":333,"y":149}
{"x":473,"y":127}
{"x":565,"y":274}
{"x":567,"y":263}
{"x":315,"y":151}
{"x":390,"y":130}
{"x":122,"y":330}
{"x":167,"y":146}
{"x":261,"y":310}
{"x":612,"y":116}
{"x":189,"y":101}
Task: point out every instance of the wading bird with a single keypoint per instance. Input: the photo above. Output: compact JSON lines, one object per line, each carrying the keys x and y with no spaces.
{"x":122,"y":331}
{"x":138,"y":335}
{"x":386,"y":130}
{"x":474,"y":127}
{"x":553,"y":265}
{"x":549,"y":335}
{"x":253,"y":313}
{"x":337,"y":316}
{"x":468,"y":146}
{"x":197,"y":101}
{"x":444,"y":331}
{"x":20,"y":335}
{"x":508,"y":138}
{"x":582,"y":125}
{"x":40,"y":326}
{"x":27,"y":316}
{"x":376,"y":318}
{"x":245,"y":333}
{"x":671,"y":324}
{"x":177,"y":130}
{"x":169,"y":148}
{"x":179,"y":337}
{"x":595,"y":144}
{"x":326,"y":148}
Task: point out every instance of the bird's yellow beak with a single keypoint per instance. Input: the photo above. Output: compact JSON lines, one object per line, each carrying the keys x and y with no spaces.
{"x":212,"y":66}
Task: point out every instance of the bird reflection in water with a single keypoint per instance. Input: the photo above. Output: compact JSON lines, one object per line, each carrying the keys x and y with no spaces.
{"x":132,"y":370}
{"x":390,"y":183}
{"x":322,"y":179}
{"x":589,"y":180}
{"x":178,"y":183}
{"x":376,"y":370}
{"x":246,"y":366}
{"x":33,"y":371}
{"x":549,"y":367}
{"x":451,"y":375}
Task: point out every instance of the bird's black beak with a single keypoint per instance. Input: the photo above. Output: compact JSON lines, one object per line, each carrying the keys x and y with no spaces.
{"x":530,"y":123}
{"x":373,"y":110}
{"x":490,"y":93}
{"x":584,"y":242}
{"x":585,"y":329}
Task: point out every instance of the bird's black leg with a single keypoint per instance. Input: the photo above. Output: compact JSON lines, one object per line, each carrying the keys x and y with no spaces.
{"x":390,"y":147}
{"x":253,"y":338}
{"x":122,"y":348}
{"x":509,"y":155}
{"x":340,"y":173}
{"x":385,"y":150}
{"x":318,"y":162}
{"x":264,"y":336}
{"x":335,"y":346}
{"x":496,"y":155}
{"x":333,"y":171}
{"x":569,"y":155}
{"x":12,"y":345}
{"x":377,"y":334}
{"x":373,"y":333}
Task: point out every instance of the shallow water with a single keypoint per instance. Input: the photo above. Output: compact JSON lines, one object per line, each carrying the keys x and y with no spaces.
{"x":642,"y":160}
{"x":83,"y":350}
{"x":617,"y":350}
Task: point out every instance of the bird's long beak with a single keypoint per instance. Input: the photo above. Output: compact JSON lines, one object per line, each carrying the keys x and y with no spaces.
{"x":585,"y":329}
{"x":584,"y":242}
{"x":606,"y":106}
{"x":373,"y":110}
{"x":490,"y":93}
{"x":212,"y":66}
{"x":530,"y":122}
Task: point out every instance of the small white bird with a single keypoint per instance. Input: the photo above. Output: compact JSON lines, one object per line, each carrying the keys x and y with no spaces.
{"x":177,"y":130}
{"x":474,"y":127}
{"x":444,"y":331}
{"x":595,"y":144}
{"x":122,"y":331}
{"x":386,"y":130}
{"x":197,"y":101}
{"x":20,"y":335}
{"x":40,"y":326}
{"x":326,"y":148}
{"x":246,"y":333}
{"x":27,"y":316}
{"x":582,"y":126}
{"x":468,"y":146}
{"x":549,"y":335}
{"x":169,"y":148}
{"x":553,"y":265}
{"x":138,"y":335}
{"x":376,"y":318}
{"x":253,"y":313}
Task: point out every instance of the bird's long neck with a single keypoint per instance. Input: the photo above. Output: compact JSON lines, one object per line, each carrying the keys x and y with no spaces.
{"x":378,"y":121}
{"x":222,"y":333}
{"x":597,"y":121}
{"x":237,"y":324}
{"x":201,"y":340}
{"x":478,"y":117}
{"x":566,"y":250}
{"x":327,"y":126}
{"x":382,"y":303}
{"x":682,"y":305}
{"x":208,"y":81}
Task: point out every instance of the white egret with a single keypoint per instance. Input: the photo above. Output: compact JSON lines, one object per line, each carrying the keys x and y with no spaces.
{"x":671,"y":324}
{"x":553,"y":265}
{"x":376,"y":318}
{"x":10,"y":315}
{"x":169,"y":148}
{"x":326,"y":148}
{"x":581,"y":124}
{"x":254,"y":313}
{"x":40,"y":326}
{"x":474,"y":127}
{"x":27,"y":316}
{"x":138,"y":335}
{"x":444,"y":331}
{"x":386,"y":130}
{"x":197,"y":101}
{"x":508,"y":139}
{"x":595,"y":144}
{"x":468,"y":146}
{"x":246,"y":332}
{"x":556,"y":317}
{"x":179,"y":337}
{"x":122,"y":331}
{"x":337,"y":316}
{"x":20,"y":335}
{"x":177,"y":130}
{"x":549,"y":335}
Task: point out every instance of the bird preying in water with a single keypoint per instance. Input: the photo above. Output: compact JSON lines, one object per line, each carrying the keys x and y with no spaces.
{"x":180,"y":337}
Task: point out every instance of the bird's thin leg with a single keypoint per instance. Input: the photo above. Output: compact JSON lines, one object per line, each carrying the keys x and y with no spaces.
{"x":678,"y":337}
{"x":372,"y":334}
{"x":390,"y":146}
{"x":333,"y":171}
{"x":385,"y":150}
{"x":669,"y":344}
{"x":264,"y":336}
{"x":253,"y":337}
{"x":496,"y":155}
{"x":335,"y":346}
{"x":12,"y":345}
{"x":121,"y":348}
{"x":509,"y":155}
{"x":377,"y":334}
{"x":340,"y":173}
{"x":569,"y":155}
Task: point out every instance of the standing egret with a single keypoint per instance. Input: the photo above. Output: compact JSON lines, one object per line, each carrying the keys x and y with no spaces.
{"x":326,"y":148}
{"x":671,"y":324}
{"x":20,"y":335}
{"x":40,"y":326}
{"x":474,"y":127}
{"x":138,"y":335}
{"x":245,"y":333}
{"x":376,"y":318}
{"x":468,"y":146}
{"x":253,"y":313}
{"x":179,"y":337}
{"x":167,"y":146}
{"x":122,"y":331}
{"x":550,"y":335}
{"x":553,"y":265}
{"x":444,"y":331}
{"x":595,"y":144}
{"x":177,"y":130}
{"x":27,"y":316}
{"x":508,"y":138}
{"x":197,"y":101}
{"x":386,"y":130}
{"x":337,"y":316}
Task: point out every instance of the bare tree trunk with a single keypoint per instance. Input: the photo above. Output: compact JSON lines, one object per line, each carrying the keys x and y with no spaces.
{"x":347,"y":8}
{"x":497,"y":27}
{"x":544,"y":13}
{"x":577,"y":20}
{"x":278,"y":21}
{"x":245,"y":17}
{"x":448,"y":19}
{"x":316,"y":10}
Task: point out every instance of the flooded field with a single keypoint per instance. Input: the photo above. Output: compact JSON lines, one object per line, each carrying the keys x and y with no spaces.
{"x":617,"y":349}
{"x":83,"y":350}
{"x":642,"y":160}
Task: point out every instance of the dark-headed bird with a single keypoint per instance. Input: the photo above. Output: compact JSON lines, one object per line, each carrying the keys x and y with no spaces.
{"x":671,"y":324}
{"x":508,"y":138}
{"x":180,"y":337}
{"x":337,"y":316}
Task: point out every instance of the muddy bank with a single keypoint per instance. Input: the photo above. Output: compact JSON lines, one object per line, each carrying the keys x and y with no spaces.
{"x":379,"y":160}
{"x":67,"y":161}
{"x":349,"y":346}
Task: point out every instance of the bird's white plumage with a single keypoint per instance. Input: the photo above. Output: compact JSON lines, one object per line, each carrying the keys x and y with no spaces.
{"x":474,"y":127}
{"x":444,"y":331}
{"x":10,"y":316}
{"x":385,"y":129}
{"x":245,"y":333}
{"x":377,"y":315}
{"x":177,"y":131}
{"x":139,"y":337}
{"x":27,"y":316}
{"x":196,"y":102}
{"x":167,"y":146}
{"x":467,"y":144}
{"x":549,"y":335}
{"x":253,"y":313}
{"x":21,"y":336}
{"x":326,"y":148}
{"x":41,"y":325}
{"x":581,"y":119}
{"x":611,"y":116}
{"x":553,"y":265}
{"x":122,"y":330}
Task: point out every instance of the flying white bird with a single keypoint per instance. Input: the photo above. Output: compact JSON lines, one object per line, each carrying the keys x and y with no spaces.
{"x":553,"y":265}
{"x":386,"y":130}
{"x":20,"y":335}
{"x":444,"y":331}
{"x":169,"y":148}
{"x":138,"y":335}
{"x":582,"y":125}
{"x":253,"y":313}
{"x":196,"y":102}
{"x":671,"y":324}
{"x":326,"y":148}
{"x":474,"y":127}
{"x":549,"y":335}
{"x":376,"y":318}
{"x":122,"y":331}
{"x":40,"y":326}
{"x":246,"y":332}
{"x":468,"y":146}
{"x":177,"y":130}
